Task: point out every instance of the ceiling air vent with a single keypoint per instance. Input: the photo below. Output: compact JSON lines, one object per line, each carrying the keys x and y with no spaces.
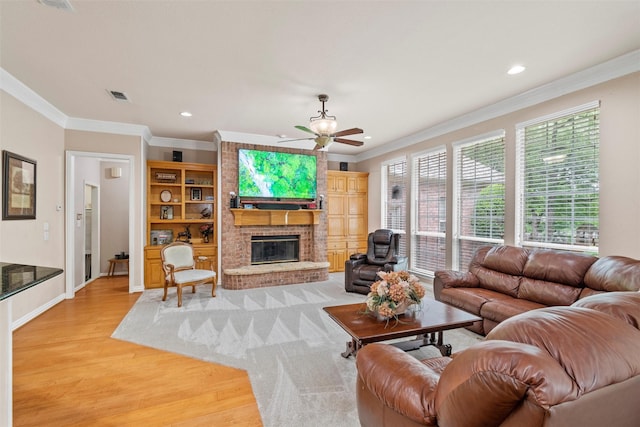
{"x":119,"y":96}
{"x":58,"y":4}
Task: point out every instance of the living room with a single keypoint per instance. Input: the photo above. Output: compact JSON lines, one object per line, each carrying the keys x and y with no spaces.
{"x":33,"y":126}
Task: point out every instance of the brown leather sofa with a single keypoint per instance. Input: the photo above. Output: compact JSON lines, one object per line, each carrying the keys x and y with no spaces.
{"x":576,"y":366}
{"x":503,"y":281}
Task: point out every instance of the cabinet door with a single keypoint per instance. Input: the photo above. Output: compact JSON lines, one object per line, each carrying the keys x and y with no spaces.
{"x":357,"y":184}
{"x":336,"y":183}
{"x":153,"y":275}
{"x":336,"y":259}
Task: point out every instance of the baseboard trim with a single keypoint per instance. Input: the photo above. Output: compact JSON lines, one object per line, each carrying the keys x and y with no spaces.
{"x":37,"y":312}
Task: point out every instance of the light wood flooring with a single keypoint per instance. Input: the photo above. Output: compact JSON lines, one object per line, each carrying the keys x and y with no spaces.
{"x":69,"y":371}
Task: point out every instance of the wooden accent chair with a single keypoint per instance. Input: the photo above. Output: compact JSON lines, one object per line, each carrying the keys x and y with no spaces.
{"x":179,"y":266}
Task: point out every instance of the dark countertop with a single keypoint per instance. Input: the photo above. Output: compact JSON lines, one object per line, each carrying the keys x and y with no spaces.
{"x":18,"y":277}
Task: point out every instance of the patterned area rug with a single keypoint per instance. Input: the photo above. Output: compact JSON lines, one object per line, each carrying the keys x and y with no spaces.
{"x":280,"y":335}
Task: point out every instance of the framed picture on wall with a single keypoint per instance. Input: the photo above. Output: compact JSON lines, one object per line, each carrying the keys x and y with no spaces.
{"x":18,"y":187}
{"x":196,"y":194}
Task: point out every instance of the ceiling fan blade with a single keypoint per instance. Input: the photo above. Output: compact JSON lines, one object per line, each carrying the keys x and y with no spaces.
{"x":349,"y":141}
{"x":351,"y":131}
{"x":299,"y":139}
{"x":304,"y":129}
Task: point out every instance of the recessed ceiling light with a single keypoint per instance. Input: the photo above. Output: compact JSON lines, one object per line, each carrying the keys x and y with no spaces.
{"x":186,"y":114}
{"x":367,"y":137}
{"x":516,"y":69}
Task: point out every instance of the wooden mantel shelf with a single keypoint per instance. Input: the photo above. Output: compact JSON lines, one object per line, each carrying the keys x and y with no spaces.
{"x":276,"y":217}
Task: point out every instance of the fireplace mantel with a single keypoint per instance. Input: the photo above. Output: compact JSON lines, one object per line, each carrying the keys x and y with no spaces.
{"x":250,"y":217}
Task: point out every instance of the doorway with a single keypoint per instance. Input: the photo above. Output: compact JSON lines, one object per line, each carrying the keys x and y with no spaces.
{"x":75,"y":211}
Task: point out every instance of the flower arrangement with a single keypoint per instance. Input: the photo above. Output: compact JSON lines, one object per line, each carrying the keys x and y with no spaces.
{"x":396,"y":290}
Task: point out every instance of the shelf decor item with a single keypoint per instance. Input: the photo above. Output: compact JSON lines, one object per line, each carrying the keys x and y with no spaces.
{"x":166,"y":177}
{"x":165,"y":196}
{"x":196,"y":194}
{"x":18,"y":187}
{"x":393,"y":294}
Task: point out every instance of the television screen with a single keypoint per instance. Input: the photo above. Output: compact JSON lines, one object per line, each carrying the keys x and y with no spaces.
{"x":274,"y":174}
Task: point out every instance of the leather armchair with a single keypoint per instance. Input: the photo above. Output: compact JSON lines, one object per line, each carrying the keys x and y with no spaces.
{"x":361,"y":270}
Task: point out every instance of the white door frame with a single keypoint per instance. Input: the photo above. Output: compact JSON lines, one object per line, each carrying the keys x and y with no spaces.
{"x":94,"y":232}
{"x":70,"y":228}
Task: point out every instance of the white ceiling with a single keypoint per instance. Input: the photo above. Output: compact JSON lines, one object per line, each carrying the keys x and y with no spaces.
{"x":393,"y":68}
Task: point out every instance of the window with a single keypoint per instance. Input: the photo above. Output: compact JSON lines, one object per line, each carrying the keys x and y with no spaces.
{"x":429,"y":210}
{"x":479,"y":192}
{"x":559,"y":180}
{"x":394,"y":175}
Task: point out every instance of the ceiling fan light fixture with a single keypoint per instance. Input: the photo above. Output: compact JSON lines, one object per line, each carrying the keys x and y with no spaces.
{"x":323,"y":125}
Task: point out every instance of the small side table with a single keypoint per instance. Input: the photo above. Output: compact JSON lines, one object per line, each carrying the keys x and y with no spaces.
{"x":112,"y":265}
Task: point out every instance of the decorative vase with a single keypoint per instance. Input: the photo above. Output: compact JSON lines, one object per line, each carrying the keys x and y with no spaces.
{"x":205,"y":238}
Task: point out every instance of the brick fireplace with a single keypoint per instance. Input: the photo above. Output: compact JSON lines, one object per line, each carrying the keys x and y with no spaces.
{"x":237,"y":271}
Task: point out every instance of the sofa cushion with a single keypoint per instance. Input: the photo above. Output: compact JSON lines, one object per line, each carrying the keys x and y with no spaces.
{"x":502,"y":309}
{"x":614,"y":273}
{"x":506,"y":259}
{"x":623,"y":305}
{"x":468,"y":299}
{"x":498,"y":281}
{"x":563,"y":267}
{"x":547,"y":293}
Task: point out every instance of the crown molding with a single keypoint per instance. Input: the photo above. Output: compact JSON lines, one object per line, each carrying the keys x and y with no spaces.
{"x":617,"y":67}
{"x":27,"y":96}
{"x":89,"y":125}
{"x":188,"y":144}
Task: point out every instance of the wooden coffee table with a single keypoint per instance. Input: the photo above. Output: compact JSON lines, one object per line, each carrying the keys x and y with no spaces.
{"x":427,"y":324}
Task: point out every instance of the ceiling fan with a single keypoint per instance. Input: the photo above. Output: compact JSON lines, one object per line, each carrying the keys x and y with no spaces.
{"x":324,"y":126}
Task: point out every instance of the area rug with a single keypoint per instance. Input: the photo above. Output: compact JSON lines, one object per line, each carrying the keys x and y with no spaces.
{"x":280,"y":335}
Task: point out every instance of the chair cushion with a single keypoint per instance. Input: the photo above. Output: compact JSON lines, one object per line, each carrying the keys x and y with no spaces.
{"x":188,"y":276}
{"x":179,"y":256}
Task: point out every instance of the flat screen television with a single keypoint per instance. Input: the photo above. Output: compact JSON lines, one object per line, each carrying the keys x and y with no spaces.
{"x":276,"y":175}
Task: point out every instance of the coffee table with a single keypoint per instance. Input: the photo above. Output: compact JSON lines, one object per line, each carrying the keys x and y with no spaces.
{"x":427,"y":324}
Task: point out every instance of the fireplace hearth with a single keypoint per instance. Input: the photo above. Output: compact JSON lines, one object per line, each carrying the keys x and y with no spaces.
{"x":275,"y":249}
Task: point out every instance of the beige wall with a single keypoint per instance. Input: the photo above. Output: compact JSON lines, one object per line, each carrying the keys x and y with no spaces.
{"x":25,"y":132}
{"x":619,"y":161}
{"x":188,"y":155}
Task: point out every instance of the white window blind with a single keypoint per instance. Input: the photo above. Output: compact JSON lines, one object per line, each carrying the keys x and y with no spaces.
{"x":395,"y":199}
{"x":479,"y":191}
{"x":429,"y":177}
{"x":559,"y":181}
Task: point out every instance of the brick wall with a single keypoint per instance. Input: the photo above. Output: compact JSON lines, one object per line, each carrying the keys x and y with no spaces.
{"x":236,"y":241}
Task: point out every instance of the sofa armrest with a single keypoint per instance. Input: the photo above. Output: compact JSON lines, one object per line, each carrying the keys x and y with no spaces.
{"x":496,"y":380}
{"x":399,"y":381}
{"x":453,"y":279}
{"x":358,"y":257}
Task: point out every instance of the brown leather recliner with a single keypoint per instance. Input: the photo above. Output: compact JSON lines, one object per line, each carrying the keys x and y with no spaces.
{"x":576,"y":366}
{"x":361,"y":270}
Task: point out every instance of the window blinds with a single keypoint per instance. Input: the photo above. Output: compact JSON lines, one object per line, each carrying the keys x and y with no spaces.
{"x":559,"y":181}
{"x":395,"y":212}
{"x":429,"y":175}
{"x":480,"y":193}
